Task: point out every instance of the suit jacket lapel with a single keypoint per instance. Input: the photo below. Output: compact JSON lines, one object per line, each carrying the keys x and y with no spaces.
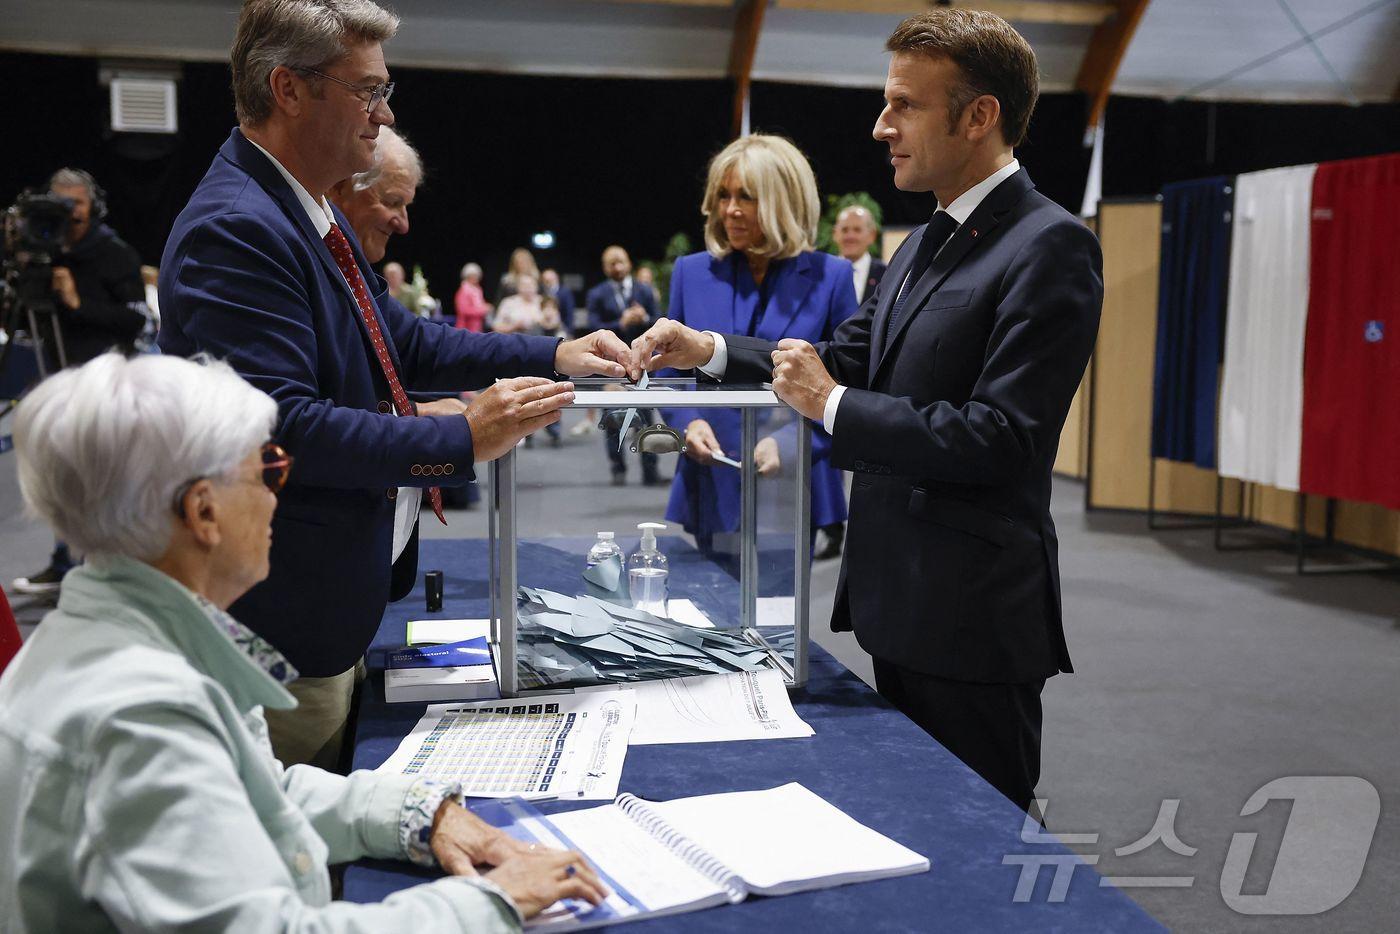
{"x":248,"y":157}
{"x":980,"y":223}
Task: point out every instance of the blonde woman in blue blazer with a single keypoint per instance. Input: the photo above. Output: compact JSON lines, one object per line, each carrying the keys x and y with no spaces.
{"x":760,"y":276}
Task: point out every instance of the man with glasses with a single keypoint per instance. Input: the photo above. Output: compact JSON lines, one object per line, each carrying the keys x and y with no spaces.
{"x":262,"y":272}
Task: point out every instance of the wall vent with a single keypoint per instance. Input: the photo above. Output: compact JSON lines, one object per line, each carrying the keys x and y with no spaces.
{"x":143,"y":105}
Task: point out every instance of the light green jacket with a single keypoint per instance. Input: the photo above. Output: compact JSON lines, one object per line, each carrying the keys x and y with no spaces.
{"x":138,"y":790}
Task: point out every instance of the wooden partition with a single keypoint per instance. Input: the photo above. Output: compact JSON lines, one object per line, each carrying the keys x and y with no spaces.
{"x":1119,"y":463}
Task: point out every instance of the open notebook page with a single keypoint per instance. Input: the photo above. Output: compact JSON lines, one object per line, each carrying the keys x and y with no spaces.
{"x":646,"y":879}
{"x":787,"y":839}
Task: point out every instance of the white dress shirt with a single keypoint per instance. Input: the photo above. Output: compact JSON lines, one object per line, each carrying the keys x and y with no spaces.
{"x":861,"y":274}
{"x":960,"y":210}
{"x":410,"y":498}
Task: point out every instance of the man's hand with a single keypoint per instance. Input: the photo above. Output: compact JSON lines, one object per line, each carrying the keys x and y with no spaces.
{"x":701,"y":445}
{"x":448,"y":406}
{"x":800,"y":378}
{"x":670,"y":343}
{"x":66,"y":288}
{"x":601,"y":353}
{"x":512,"y":409}
{"x":634,"y":317}
{"x":766,"y":459}
{"x":461,"y":841}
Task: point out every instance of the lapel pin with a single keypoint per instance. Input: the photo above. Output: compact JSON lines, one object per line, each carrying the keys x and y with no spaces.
{"x":974,"y":231}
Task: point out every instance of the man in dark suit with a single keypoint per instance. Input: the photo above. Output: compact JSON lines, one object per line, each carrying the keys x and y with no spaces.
{"x":946,"y":394}
{"x":624,"y":306}
{"x":855,"y":232}
{"x":262,"y":272}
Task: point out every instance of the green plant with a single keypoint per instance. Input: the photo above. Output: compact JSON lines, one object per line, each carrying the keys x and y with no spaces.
{"x":676,"y":247}
{"x":835,"y":204}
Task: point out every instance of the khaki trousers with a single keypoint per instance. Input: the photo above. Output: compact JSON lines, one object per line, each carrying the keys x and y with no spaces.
{"x":313,"y":733}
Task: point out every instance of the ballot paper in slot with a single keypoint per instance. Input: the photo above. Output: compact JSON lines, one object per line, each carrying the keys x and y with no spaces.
{"x":454,"y":671}
{"x":667,"y":857}
{"x":568,"y":745}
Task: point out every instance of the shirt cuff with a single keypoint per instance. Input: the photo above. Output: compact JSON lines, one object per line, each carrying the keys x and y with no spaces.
{"x":486,"y":885}
{"x":420,"y":807}
{"x":829,"y":412}
{"x":719,"y":361}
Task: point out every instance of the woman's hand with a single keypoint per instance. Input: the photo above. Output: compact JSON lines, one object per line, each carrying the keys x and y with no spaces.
{"x":765,"y":457}
{"x":701,"y":445}
{"x":538,"y":878}
{"x":461,"y":841}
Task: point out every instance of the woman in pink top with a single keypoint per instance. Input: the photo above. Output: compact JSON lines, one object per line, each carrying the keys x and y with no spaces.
{"x":471,"y":302}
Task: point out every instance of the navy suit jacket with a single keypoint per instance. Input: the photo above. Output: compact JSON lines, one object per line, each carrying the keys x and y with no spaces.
{"x":812,"y":293}
{"x":605,"y":309}
{"x":872,"y":281}
{"x":246,"y":279}
{"x":951,"y":426}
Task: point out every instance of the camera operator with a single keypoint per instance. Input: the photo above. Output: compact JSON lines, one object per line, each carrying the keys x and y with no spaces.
{"x":99,"y":298}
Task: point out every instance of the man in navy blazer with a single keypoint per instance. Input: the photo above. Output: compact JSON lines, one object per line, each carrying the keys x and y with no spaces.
{"x":620,"y":303}
{"x":261,"y":271}
{"x":946,"y":394}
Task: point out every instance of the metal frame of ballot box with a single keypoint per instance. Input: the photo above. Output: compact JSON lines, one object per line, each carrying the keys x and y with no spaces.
{"x":503,"y":532}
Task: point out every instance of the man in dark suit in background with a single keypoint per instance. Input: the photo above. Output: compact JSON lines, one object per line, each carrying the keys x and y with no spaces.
{"x":855,"y":232}
{"x":262,"y":272}
{"x":946,"y":394}
{"x":624,"y":306}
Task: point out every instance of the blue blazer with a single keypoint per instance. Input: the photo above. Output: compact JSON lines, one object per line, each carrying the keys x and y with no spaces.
{"x":810,"y":295}
{"x":246,"y":279}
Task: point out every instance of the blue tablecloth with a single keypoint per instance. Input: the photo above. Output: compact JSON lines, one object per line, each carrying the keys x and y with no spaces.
{"x":866,"y":758}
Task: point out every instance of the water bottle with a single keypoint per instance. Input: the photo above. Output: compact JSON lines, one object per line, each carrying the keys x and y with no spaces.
{"x":603,"y":549}
{"x":648,"y":573}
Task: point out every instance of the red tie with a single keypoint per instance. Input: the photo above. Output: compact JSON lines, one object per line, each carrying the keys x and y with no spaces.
{"x":345,"y":259}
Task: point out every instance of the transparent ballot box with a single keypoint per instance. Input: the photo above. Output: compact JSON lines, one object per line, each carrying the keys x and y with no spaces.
{"x":611,"y":567}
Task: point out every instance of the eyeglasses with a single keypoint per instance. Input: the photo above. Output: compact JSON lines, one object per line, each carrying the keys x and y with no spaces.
{"x":276,"y":467}
{"x":378,"y":94}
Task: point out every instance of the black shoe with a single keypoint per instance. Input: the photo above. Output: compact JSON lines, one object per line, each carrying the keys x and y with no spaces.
{"x":619,"y":479}
{"x":654,"y":479}
{"x":46,"y":581}
{"x":554,"y":441}
{"x":830,"y":546}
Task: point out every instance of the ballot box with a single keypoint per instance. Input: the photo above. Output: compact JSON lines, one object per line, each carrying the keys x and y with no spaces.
{"x":674,"y":569}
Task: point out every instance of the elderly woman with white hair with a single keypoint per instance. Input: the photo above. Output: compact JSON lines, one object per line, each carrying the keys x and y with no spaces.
{"x":140,"y":788}
{"x":470,"y":302}
{"x":759,"y":276}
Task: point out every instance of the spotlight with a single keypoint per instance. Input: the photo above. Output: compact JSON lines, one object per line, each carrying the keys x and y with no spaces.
{"x":543,"y":240}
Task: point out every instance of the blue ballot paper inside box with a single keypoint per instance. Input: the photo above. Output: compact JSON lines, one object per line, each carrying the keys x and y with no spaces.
{"x":451,"y":655}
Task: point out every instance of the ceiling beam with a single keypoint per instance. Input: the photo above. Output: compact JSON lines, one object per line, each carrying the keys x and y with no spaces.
{"x":1107,"y":47}
{"x":1017,"y":11}
{"x":748,"y":23}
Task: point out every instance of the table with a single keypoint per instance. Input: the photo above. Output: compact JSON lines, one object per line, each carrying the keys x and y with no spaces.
{"x":866,"y":758}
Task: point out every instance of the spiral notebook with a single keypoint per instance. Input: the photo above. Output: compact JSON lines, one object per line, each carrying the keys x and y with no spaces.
{"x":668,"y":857}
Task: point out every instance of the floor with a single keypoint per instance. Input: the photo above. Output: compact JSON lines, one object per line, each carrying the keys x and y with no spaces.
{"x":1200,"y":677}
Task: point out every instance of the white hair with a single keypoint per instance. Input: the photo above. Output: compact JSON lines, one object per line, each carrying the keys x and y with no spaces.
{"x":392,"y":156}
{"x":861,"y":211}
{"x":471,"y":269}
{"x":104,"y":448}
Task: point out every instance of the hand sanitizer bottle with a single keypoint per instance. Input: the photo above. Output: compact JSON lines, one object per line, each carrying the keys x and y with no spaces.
{"x":603,"y":549}
{"x":648,"y":572}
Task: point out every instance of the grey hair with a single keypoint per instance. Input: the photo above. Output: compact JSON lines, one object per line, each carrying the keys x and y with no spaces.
{"x":297,"y":34}
{"x":74,"y":178}
{"x":863,"y":212}
{"x":393,"y":154}
{"x":104,"y":448}
{"x":470,"y":268}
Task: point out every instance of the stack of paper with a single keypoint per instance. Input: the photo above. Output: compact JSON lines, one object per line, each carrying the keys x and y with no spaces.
{"x":455,"y":671}
{"x":584,"y":639}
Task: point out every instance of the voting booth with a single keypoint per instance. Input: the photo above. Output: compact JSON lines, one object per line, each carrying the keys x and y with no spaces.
{"x":709,"y":567}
